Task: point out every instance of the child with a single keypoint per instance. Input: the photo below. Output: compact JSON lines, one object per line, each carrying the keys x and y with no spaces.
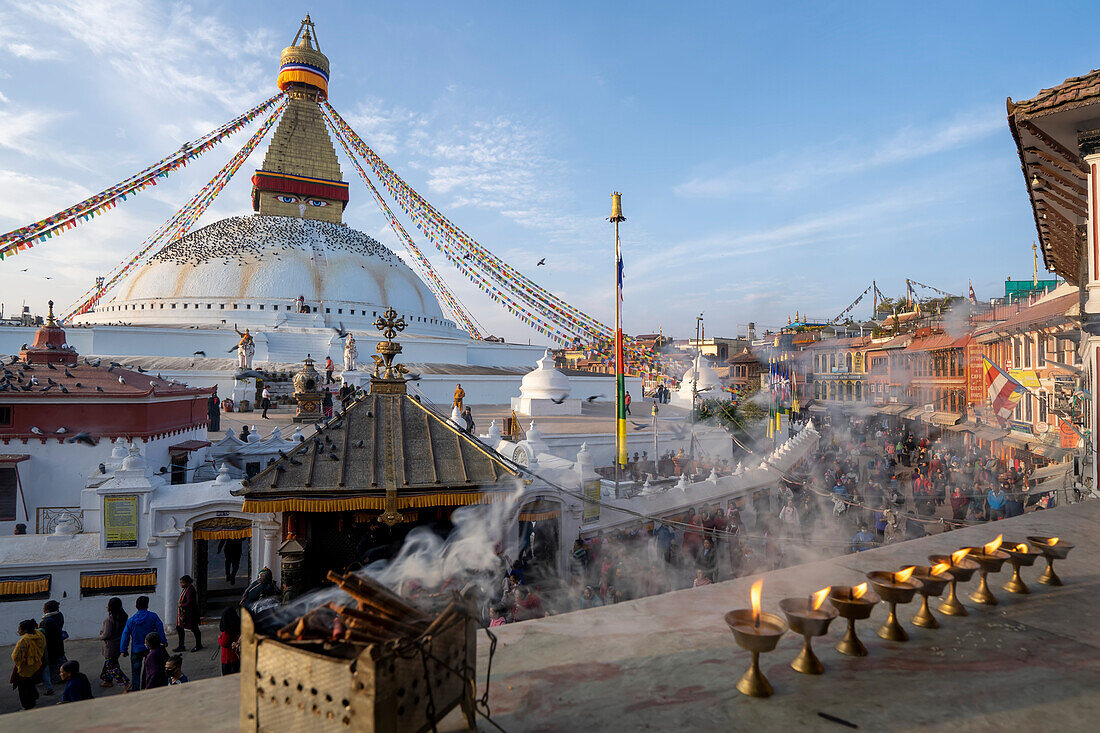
{"x":174,"y":669}
{"x":152,"y":673}
{"x":78,"y":687}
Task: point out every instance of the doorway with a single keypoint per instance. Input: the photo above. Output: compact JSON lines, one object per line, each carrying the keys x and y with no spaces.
{"x":222,"y":558}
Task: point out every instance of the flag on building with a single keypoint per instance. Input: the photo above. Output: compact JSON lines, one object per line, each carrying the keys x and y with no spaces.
{"x":1004,"y":391}
{"x":973,"y":298}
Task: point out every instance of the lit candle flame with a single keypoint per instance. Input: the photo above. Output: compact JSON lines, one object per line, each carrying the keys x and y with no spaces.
{"x":941,"y":568}
{"x":990,"y":547}
{"x":819,"y":598}
{"x":903,"y":575}
{"x":958,"y":555}
{"x":754,"y":596}
{"x":859,"y":590}
{"x":1022,"y":547}
{"x":1052,"y":541}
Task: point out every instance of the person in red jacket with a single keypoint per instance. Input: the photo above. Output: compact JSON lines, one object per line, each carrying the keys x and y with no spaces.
{"x":187,"y":617}
{"x":228,"y":639}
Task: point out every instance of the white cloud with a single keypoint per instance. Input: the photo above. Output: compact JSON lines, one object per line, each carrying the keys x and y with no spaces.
{"x":21,"y":131}
{"x":789,"y":172}
{"x":4,"y":98}
{"x":28,"y":51}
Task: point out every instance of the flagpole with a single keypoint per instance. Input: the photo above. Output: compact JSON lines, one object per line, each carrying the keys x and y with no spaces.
{"x":620,"y":376}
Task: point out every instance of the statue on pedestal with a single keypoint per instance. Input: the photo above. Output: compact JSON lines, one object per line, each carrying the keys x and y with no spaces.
{"x":246,"y":348}
{"x":351,"y":353}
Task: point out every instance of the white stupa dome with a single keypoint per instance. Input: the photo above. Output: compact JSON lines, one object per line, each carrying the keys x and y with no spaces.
{"x":248,"y":264}
{"x":706,"y":383}
{"x":545,"y":382}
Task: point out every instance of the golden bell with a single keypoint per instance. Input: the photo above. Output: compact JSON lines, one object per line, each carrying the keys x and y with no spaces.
{"x":617,"y":207}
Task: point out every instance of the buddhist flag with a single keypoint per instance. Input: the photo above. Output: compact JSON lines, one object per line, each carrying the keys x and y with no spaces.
{"x":1004,"y":391}
{"x":973,"y":298}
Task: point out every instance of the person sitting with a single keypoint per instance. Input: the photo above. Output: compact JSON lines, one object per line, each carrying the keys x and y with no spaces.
{"x":700,"y":579}
{"x":153,"y":673}
{"x":497,"y":615}
{"x":590,"y":599}
{"x":77,"y":686}
{"x":528,"y":605}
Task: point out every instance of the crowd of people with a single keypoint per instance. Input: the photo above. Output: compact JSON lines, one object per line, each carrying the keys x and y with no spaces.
{"x":39,"y":658}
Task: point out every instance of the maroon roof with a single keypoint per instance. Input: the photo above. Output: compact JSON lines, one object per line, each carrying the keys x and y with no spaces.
{"x":1047,"y":310}
{"x":1073,"y":92}
{"x":83,"y":379}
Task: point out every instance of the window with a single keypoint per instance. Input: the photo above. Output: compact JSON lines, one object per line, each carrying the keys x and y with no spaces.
{"x":221,"y":306}
{"x":328,"y":310}
{"x":1042,"y":406}
{"x":174,"y":307}
{"x":248,"y":306}
{"x":9,"y":486}
{"x":1027,"y":408}
{"x":234,"y":306}
{"x":1040,"y":351}
{"x":208,"y":306}
{"x":339,"y":310}
{"x":5,"y":415}
{"x":261,"y":306}
{"x":1016,"y":360}
{"x":1026,"y":344}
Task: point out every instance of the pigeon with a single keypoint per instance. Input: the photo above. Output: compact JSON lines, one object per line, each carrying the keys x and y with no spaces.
{"x":558,"y":401}
{"x":593,"y":398}
{"x":86,"y":439}
{"x":294,"y":462}
{"x":102,"y":467}
{"x":35,"y":430}
{"x":51,"y":367}
{"x":163,"y":470}
{"x":98,"y":388}
{"x":412,"y":377}
{"x":47,"y":388}
{"x":78,"y":384}
{"x":333,"y":457}
{"x":50,"y":382}
{"x":141,"y":371}
{"x":62,"y":387}
{"x":358,"y":444}
{"x":200,"y":353}
{"x":68,"y":374}
{"x":370,"y":414}
{"x":247,"y":373}
{"x":541,"y":262}
{"x":121,"y":380}
{"x":95,"y":363}
{"x":47,"y":277}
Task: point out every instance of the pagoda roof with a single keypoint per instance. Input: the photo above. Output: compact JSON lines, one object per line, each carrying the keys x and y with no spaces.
{"x":84,"y":379}
{"x":381,"y":442}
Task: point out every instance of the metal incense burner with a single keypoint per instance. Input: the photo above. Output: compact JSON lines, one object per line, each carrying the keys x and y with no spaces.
{"x":987,"y":563}
{"x":804,"y":619}
{"x":893,"y":592}
{"x":1019,"y":558}
{"x":932,"y":585}
{"x":756,"y":634}
{"x":960,"y":572}
{"x":1056,"y":551}
{"x":853,"y":609}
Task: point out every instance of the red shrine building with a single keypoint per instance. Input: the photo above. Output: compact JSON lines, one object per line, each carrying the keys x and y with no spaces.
{"x":60,"y":416}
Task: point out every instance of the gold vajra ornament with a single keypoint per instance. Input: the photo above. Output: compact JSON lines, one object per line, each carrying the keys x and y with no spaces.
{"x":390,"y":324}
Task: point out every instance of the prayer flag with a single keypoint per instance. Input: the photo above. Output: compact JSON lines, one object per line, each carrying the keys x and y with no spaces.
{"x":1004,"y":391}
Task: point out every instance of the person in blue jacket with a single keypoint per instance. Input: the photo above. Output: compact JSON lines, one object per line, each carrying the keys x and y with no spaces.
{"x":142,"y":623}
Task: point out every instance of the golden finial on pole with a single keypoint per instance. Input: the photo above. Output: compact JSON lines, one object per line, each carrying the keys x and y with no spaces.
{"x":616,"y":208}
{"x":1035,"y":267}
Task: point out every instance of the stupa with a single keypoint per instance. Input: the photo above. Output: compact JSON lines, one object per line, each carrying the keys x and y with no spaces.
{"x":545,"y":391}
{"x":701,"y":378}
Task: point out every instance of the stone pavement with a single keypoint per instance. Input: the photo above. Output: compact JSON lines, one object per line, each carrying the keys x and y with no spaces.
{"x":669,"y":662}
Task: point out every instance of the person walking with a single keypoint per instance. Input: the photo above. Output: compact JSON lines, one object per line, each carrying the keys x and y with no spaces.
{"x":329,"y":368}
{"x":27,"y":659}
{"x":153,"y":673}
{"x":232,"y":549}
{"x":326,"y":404}
{"x":138,"y":628}
{"x":469,"y":418}
{"x":626,"y":402}
{"x":53,"y":628}
{"x":187,"y":614}
{"x":229,"y":641}
{"x":265,"y":401}
{"x":111,"y":636}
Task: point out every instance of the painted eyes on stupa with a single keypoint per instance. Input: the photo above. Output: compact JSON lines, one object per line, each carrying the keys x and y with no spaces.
{"x":287,"y":199}
{"x":317,"y":202}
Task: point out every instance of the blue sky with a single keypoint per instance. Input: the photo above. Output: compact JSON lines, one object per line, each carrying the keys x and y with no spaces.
{"x":770,"y":158}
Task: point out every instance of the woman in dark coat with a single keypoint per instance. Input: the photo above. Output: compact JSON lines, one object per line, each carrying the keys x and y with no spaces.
{"x":187,"y":617}
{"x":228,"y":639}
{"x":110,"y":635}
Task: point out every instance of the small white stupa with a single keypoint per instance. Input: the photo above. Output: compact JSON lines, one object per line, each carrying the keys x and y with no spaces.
{"x":701,"y":377}
{"x":545,"y":391}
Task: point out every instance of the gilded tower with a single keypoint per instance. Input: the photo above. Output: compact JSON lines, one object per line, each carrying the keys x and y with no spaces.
{"x":301,"y":176}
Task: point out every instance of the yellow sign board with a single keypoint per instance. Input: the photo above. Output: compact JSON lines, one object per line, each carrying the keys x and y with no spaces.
{"x":120,"y":521}
{"x":1026,"y":377}
{"x":591,"y":507}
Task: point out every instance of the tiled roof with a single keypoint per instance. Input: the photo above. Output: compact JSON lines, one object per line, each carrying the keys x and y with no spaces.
{"x":82,"y":379}
{"x":938,"y":341}
{"x":1073,"y":92}
{"x":1046,"y":310}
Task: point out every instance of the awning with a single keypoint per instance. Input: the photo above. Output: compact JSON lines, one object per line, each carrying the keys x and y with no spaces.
{"x":1016,"y":440}
{"x":24,"y":585}
{"x":988,"y":433}
{"x":189,"y":446}
{"x":1053,"y":452}
{"x":942,"y":418}
{"x":538,"y":511}
{"x":913,"y":413}
{"x":894,"y":408}
{"x":226,"y":528}
{"x":13,"y":457}
{"x":818,"y":408}
{"x":1053,"y":471}
{"x":963,"y":427}
{"x":144,"y":578}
